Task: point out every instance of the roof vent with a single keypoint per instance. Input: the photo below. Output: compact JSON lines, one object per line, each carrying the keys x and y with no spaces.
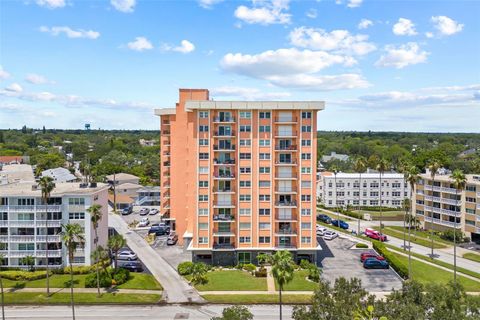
{"x":83,"y":185}
{"x":93,"y":185}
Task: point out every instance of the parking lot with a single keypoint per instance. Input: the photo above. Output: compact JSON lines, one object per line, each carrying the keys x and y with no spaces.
{"x":135,"y":215}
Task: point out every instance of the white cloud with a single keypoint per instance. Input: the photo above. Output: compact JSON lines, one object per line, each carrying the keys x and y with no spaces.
{"x":184,"y":47}
{"x":126,"y":6}
{"x":14,"y":87}
{"x":3,"y":74}
{"x":36,"y":79}
{"x":446,"y":26}
{"x":248,"y":93}
{"x":312,"y":13}
{"x":208,"y":4}
{"x":404,"y":27}
{"x":429,"y":34}
{"x":365,"y":23}
{"x":70,"y":33}
{"x":140,"y":44}
{"x":321,"y":82}
{"x":265,"y":12}
{"x":402,"y":56}
{"x":51,"y":4}
{"x":354,"y":3}
{"x":339,"y":41}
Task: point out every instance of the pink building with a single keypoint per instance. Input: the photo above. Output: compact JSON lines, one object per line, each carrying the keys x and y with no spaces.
{"x":238,"y":177}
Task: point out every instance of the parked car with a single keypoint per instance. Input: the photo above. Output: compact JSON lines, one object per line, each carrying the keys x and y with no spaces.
{"x":340,"y":223}
{"x":329,"y":235}
{"x":172,"y":239}
{"x":132,"y":266}
{"x":144,"y":211}
{"x":159,"y":230}
{"x":374,"y":234}
{"x":127,"y":255}
{"x":324,"y":218}
{"x":321,"y":230}
{"x":144,"y":222}
{"x":126,"y":211}
{"x":153,"y":212}
{"x":368,"y":255}
{"x":372,"y":263}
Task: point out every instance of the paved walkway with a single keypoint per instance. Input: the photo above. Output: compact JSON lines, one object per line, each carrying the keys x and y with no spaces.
{"x":85,"y":290}
{"x":270,"y":280}
{"x":176,"y":289}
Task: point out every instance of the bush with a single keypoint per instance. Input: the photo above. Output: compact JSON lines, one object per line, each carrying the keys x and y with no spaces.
{"x":249,"y":267}
{"x":185,"y":268}
{"x":394,"y":262}
{"x":91,"y":280}
{"x":361,"y":245}
{"x":448,"y":235}
{"x":239,"y":266}
{"x":314,"y":273}
{"x":304,"y":264}
{"x":261,"y":272}
{"x":79,"y":269}
{"x":121,"y":276}
{"x":16,"y":275}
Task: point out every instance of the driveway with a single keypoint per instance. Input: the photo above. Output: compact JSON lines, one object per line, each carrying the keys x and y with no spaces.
{"x":338,"y":260}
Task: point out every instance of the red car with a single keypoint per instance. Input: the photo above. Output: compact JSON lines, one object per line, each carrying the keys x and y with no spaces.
{"x":367,"y":255}
{"x":374,"y":234}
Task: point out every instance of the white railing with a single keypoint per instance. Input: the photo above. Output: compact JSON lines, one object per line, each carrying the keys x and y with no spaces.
{"x":51,"y":253}
{"x":443,"y":222}
{"x":51,"y":238}
{"x":3,"y":238}
{"x":434,"y":209}
{"x":3,"y":208}
{"x":50,"y":208}
{"x":21,"y":253}
{"x":21,"y":208}
{"x":3,"y":223}
{"x":452,"y":213}
{"x":21,"y":223}
{"x":478,"y":218}
{"x":49,"y":223}
{"x":17,"y":238}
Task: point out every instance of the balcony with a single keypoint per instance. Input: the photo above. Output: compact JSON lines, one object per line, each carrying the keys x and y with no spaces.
{"x":224,"y":176}
{"x":291,"y":148}
{"x":21,"y":239}
{"x":285,"y":190}
{"x":451,"y":213}
{"x":3,"y":223}
{"x":285,"y":134}
{"x":223,"y":190}
{"x":444,"y":200}
{"x":286,"y":232}
{"x":291,"y":162}
{"x":3,"y":208}
{"x":441,"y":189}
{"x":22,"y":223}
{"x":434,"y":209}
{"x":286,"y":218}
{"x":285,"y":120}
{"x":223,"y":233}
{"x":224,"y":148}
{"x":49,"y":208}
{"x":223,"y":246}
{"x":285,"y":176}
{"x":166,"y":132}
{"x":3,"y":238}
{"x":51,"y":238}
{"x":224,"y":119}
{"x":286,"y":204}
{"x":230,"y":134}
{"x":224,"y":162}
{"x":21,"y":208}
{"x":166,"y":122}
{"x":285,"y":245}
{"x":166,"y":154}
{"x":443,"y":222}
{"x":223,"y":218}
{"x":166,"y":164}
{"x":21,"y":253}
{"x":224,"y":204}
{"x":51,"y":253}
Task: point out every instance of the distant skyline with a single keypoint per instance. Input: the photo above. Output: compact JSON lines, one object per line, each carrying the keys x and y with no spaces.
{"x":378,"y":65}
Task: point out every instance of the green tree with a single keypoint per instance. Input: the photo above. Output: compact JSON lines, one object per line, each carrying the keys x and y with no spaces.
{"x":29,"y":261}
{"x":282,"y":271}
{"x":72,"y":235}
{"x":115,"y":243}
{"x":47,"y":186}
{"x":433,"y":167}
{"x":381,"y":167}
{"x":100,"y":254}
{"x":235,"y":313}
{"x":459,"y":181}
{"x":95,"y":212}
{"x":412,"y":179}
{"x":199,"y":273}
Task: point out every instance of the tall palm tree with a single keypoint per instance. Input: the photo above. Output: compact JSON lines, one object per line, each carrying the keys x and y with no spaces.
{"x":433,"y":167}
{"x":282,"y":271}
{"x":73,"y":236}
{"x":115,"y":243}
{"x":47,"y":186}
{"x":382,"y":166}
{"x":459,"y":181}
{"x":100,"y":254}
{"x":1,"y":288}
{"x":360,"y":166}
{"x":28,"y":261}
{"x":95,"y":216}
{"x":412,"y":179}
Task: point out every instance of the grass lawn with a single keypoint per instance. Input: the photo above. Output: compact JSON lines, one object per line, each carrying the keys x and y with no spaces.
{"x":333,"y":216}
{"x":415,"y":239}
{"x":422,"y":234}
{"x":141,"y":281}
{"x":258,"y":298}
{"x":80,"y":298}
{"x":384,"y":213}
{"x":472,"y":256}
{"x":232,"y":280}
{"x":299,"y":282}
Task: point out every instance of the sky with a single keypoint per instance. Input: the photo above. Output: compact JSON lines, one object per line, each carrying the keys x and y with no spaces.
{"x":378,"y":65}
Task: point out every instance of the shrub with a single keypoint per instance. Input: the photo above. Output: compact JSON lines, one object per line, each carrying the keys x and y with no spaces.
{"x":314,"y":273}
{"x":121,"y":276}
{"x":79,"y":270}
{"x":16,"y":275}
{"x":91,"y":280}
{"x":261,"y":272}
{"x":185,"y":268}
{"x":304,"y":264}
{"x":394,"y":262}
{"x":239,"y":266}
{"x":448,"y":235}
{"x":249,"y":267}
{"x":361,"y":245}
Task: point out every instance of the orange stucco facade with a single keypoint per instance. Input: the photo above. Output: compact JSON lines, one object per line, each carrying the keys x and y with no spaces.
{"x":238,"y":178}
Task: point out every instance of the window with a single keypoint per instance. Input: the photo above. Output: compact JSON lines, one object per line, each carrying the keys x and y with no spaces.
{"x":306,"y":156}
{"x":396,"y":203}
{"x":78,"y":260}
{"x":245,"y":197}
{"x":471,"y":188}
{"x":264,"y":212}
{"x":203,"y":170}
{"x":264,"y":184}
{"x":245,"y":128}
{"x":244,"y":239}
{"x":245,"y":226}
{"x":245,"y":184}
{"x":203,"y":226}
{"x":470,"y":211}
{"x":203,"y":212}
{"x":203,"y":142}
{"x":264,"y":225}
{"x":264,"y":115}
{"x":264,"y":156}
{"x":203,"y":114}
{"x":203,"y":197}
{"x":203,"y":128}
{"x":306,"y":212}
{"x":420,"y":212}
{"x":306,"y":115}
{"x":306,"y":143}
{"x":396,"y":194}
{"x":306,"y":170}
{"x":245,"y":170}
{"x":244,"y":257}
{"x":264,"y":128}
{"x":264,"y":169}
{"x":306,"y":240}
{"x":472,"y":223}
{"x":264,"y":197}
{"x":264,"y":239}
{"x":203,"y":184}
{"x":395,"y":185}
{"x":76,"y":201}
{"x":245,"y":156}
{"x":203,"y":156}
{"x":264,"y":143}
{"x":245,"y":211}
{"x":76,"y":215}
{"x":26,"y":246}
{"x":245,"y":142}
{"x":306,"y":225}
{"x":245,"y":114}
{"x":374,"y":194}
{"x":306,"y":128}
{"x":469,"y":199}
{"x":306,"y":184}
{"x":306,"y":198}
{"x":202,"y":240}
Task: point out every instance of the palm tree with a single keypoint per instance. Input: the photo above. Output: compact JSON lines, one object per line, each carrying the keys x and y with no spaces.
{"x":412,"y":179}
{"x":360,"y":166}
{"x":459,"y":181}
{"x":282,"y":270}
{"x":100,"y":254}
{"x":95,"y":216}
{"x":433,"y":167}
{"x":1,"y":288}
{"x":382,"y":166}
{"x":115,"y":243}
{"x":73,"y":236}
{"x":47,"y":186}
{"x":29,"y":261}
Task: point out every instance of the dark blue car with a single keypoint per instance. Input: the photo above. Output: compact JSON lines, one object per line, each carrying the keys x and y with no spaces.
{"x":340,"y":223}
{"x":373,"y":263}
{"x":324,"y":218}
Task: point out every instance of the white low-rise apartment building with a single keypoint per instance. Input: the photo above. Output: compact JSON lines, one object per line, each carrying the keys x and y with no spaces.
{"x":27,"y":224}
{"x":353,"y":189}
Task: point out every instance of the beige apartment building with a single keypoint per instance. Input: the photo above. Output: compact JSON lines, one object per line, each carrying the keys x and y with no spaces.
{"x":439,"y":205}
{"x":238,"y":177}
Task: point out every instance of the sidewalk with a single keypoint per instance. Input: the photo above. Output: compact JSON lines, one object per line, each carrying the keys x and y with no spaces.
{"x":85,"y":290}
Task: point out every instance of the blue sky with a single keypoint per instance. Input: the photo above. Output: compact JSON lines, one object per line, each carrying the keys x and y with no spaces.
{"x":379,"y":65}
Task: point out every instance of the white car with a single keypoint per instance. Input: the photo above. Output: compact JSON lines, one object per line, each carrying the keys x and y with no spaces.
{"x":144,"y":211}
{"x":127,"y":255}
{"x":153,"y":212}
{"x":329,"y":235}
{"x":144,"y":222}
{"x":321,"y":231}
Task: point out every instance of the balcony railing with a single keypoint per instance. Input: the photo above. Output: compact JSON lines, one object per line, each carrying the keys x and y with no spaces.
{"x":285,"y":245}
{"x":285,"y":162}
{"x":443,"y":222}
{"x":224,"y":148}
{"x":21,"y":253}
{"x":286,"y":189}
{"x":286,"y":148}
{"x":223,"y":217}
{"x":285,"y":176}
{"x":21,"y":208}
{"x":224,"y":134}
{"x":166,"y":122}
{"x":223,"y":246}
{"x":49,"y":208}
{"x":224,"y":204}
{"x":3,"y":223}
{"x":286,"y":231}
{"x":223,"y":233}
{"x":282,"y":217}
{"x":285,"y":120}
{"x":224,"y":175}
{"x":166,"y":164}
{"x":166,"y":132}
{"x":226,"y":161}
{"x":223,"y":190}
{"x":285,"y":133}
{"x":286,"y":203}
{"x":51,"y":253}
{"x":224,"y":119}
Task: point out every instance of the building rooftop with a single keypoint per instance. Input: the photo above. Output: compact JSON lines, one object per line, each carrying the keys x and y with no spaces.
{"x":59,"y":175}
{"x":386,"y":175}
{"x":62,"y":188}
{"x":120,"y":198}
{"x":471,"y":178}
{"x":129,"y":185}
{"x":121,"y":176}
{"x":335,"y":156}
{"x":13,"y":173}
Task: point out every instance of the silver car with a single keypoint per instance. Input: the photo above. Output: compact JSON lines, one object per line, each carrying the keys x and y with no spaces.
{"x":127,"y":255}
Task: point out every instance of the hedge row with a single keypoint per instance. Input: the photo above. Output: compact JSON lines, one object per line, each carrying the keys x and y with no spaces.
{"x":392,"y":259}
{"x":16,"y":275}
